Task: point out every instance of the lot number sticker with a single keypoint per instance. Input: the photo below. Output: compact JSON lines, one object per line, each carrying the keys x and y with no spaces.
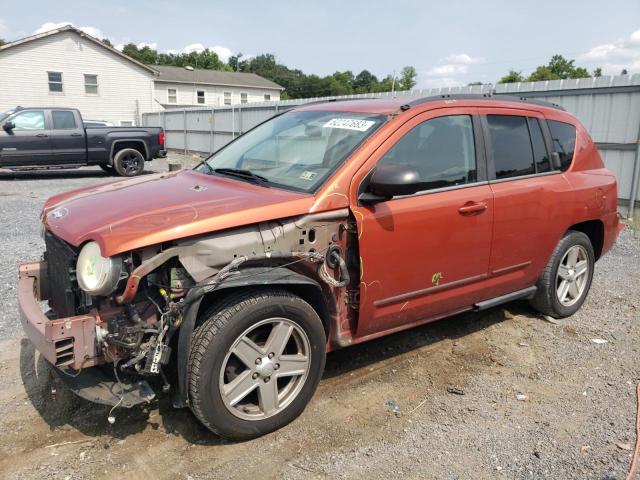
{"x":349,"y":124}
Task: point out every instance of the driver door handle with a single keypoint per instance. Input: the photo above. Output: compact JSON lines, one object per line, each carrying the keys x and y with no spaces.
{"x":472,"y":208}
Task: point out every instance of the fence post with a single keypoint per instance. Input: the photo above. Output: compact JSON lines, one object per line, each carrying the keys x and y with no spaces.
{"x":233,"y":122}
{"x":184,"y":129}
{"x":239,"y":121}
{"x":211,"y":131}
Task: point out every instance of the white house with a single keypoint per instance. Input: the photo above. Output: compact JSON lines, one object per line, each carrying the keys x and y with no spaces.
{"x":180,"y":87}
{"x":66,"y":67}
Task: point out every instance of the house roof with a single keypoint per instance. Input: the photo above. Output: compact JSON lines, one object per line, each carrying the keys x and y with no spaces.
{"x":70,"y":28}
{"x":213,"y":77}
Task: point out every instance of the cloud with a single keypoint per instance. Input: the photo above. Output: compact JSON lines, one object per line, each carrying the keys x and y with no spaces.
{"x":151,"y":45}
{"x":223,"y":52}
{"x":3,"y":27}
{"x":45,"y":27}
{"x":194,"y":47}
{"x":448,"y":72}
{"x":613,"y":57}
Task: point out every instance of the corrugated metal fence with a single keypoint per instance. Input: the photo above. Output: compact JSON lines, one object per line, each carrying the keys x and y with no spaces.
{"x":609,"y":107}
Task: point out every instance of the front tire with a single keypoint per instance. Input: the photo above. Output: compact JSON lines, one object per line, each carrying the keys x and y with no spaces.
{"x":255,"y":363}
{"x":566,"y":280}
{"x":128,"y":162}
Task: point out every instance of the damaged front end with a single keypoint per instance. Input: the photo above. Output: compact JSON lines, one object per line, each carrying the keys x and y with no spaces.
{"x":117,"y":326}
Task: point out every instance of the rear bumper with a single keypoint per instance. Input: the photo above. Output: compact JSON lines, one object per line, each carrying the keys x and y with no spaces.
{"x":64,"y":342}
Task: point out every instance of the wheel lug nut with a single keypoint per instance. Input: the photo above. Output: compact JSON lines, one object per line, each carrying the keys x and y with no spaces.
{"x":267,"y":379}
{"x":271,"y":355}
{"x":255,"y":375}
{"x":258,"y":361}
{"x":276,"y":366}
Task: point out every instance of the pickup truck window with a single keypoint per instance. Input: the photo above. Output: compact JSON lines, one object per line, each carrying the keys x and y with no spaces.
{"x":297,"y":150}
{"x":29,"y":120}
{"x":512,"y":151}
{"x":63,"y":120}
{"x":564,"y":141}
{"x":442,"y":150}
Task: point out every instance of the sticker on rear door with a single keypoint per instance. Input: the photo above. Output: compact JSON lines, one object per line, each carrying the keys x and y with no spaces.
{"x":349,"y":124}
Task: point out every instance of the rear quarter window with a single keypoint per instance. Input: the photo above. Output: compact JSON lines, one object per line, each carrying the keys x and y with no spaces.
{"x":563,"y":136}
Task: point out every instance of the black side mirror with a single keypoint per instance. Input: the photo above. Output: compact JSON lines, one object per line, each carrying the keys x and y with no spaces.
{"x":390,"y":180}
{"x":555,"y":161}
{"x":8,"y":126}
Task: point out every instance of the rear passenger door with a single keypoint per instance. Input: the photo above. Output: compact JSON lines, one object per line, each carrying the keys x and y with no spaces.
{"x":526,"y":191}
{"x":67,"y":138}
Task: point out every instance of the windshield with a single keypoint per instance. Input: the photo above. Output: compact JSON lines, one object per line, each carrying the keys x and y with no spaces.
{"x":4,"y":115}
{"x":297,"y":150}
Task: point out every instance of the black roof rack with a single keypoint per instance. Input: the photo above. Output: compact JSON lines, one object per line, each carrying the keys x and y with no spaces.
{"x":480,"y":96}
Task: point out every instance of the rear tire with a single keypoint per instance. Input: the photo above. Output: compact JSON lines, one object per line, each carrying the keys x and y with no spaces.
{"x":255,"y":363}
{"x":128,"y":162}
{"x":566,"y":280}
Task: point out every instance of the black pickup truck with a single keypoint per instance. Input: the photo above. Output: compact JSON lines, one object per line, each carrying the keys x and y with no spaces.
{"x":57,"y":138}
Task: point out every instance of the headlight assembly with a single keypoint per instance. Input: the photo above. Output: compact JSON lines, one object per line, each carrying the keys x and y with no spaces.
{"x":97,"y":275}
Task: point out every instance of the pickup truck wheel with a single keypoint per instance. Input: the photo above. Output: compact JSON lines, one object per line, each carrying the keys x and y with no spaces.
{"x":565,"y":282}
{"x":128,"y":162}
{"x":255,"y":363}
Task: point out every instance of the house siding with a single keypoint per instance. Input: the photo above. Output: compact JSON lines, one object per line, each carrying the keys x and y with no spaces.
{"x":125,"y":90}
{"x":214,"y":94}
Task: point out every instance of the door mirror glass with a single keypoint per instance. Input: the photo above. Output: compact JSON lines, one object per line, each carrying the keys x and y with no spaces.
{"x":389,"y":180}
{"x":8,"y":126}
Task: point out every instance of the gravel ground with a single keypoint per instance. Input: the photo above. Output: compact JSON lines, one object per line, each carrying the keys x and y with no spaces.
{"x":455,"y":383}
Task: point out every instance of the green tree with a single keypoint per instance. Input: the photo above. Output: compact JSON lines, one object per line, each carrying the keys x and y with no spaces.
{"x":558,"y":68}
{"x":107,"y":42}
{"x":512,"y":77}
{"x":407,"y":78}
{"x":597,"y":72}
{"x":364,"y":82}
{"x":2,"y":42}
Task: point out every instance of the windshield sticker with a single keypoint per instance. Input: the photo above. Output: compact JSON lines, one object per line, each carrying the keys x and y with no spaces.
{"x":307,"y":175}
{"x":349,"y":124}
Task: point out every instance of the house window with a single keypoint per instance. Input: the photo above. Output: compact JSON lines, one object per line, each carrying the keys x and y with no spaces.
{"x":55,"y":81}
{"x":227,"y":98}
{"x":243,"y":98}
{"x":267,"y":97}
{"x":200,"y":95}
{"x":91,"y":84}
{"x":126,"y":123}
{"x":172,"y":95}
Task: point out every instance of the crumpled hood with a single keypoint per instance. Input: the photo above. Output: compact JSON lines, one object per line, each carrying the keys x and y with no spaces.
{"x":134,"y":213}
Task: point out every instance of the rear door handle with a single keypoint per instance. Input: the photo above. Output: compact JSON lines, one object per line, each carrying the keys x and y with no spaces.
{"x":42,"y":135}
{"x":472,"y":208}
{"x":76,"y":134}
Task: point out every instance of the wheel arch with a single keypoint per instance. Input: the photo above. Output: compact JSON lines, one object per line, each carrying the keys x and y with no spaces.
{"x":594,"y":229}
{"x":118,"y":145}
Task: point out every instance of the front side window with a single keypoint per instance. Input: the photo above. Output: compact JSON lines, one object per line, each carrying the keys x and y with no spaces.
{"x":63,"y":120}
{"x":201,"y":98}
{"x":441,"y":150}
{"x":55,"y":82}
{"x":91,"y":84}
{"x":512,"y":152}
{"x":297,"y":150}
{"x":563,"y":136}
{"x":244,"y":98}
{"x":31,"y":120}
{"x":172,"y":95}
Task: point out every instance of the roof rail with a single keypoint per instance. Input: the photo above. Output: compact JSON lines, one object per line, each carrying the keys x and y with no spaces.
{"x":480,"y":96}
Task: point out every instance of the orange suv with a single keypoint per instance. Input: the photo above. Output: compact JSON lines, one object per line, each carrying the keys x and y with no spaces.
{"x":323,"y":227}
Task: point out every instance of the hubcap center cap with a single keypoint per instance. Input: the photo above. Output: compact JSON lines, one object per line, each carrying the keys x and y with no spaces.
{"x":265,"y":368}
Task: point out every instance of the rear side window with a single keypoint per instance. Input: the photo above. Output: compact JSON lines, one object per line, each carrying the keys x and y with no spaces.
{"x":563,"y":136}
{"x":442,"y":150}
{"x":512,"y":152}
{"x":63,"y":120}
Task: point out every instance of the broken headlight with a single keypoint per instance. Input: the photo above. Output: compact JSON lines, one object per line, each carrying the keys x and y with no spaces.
{"x":97,"y":275}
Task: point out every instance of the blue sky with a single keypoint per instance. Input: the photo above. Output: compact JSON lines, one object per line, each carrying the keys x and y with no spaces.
{"x":450,"y":43}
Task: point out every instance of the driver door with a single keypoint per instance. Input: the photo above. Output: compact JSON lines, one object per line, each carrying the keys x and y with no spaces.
{"x":426,"y":255}
{"x":28,"y":143}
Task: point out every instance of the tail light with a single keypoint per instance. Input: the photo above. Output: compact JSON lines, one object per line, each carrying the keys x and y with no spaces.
{"x":161,"y":138}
